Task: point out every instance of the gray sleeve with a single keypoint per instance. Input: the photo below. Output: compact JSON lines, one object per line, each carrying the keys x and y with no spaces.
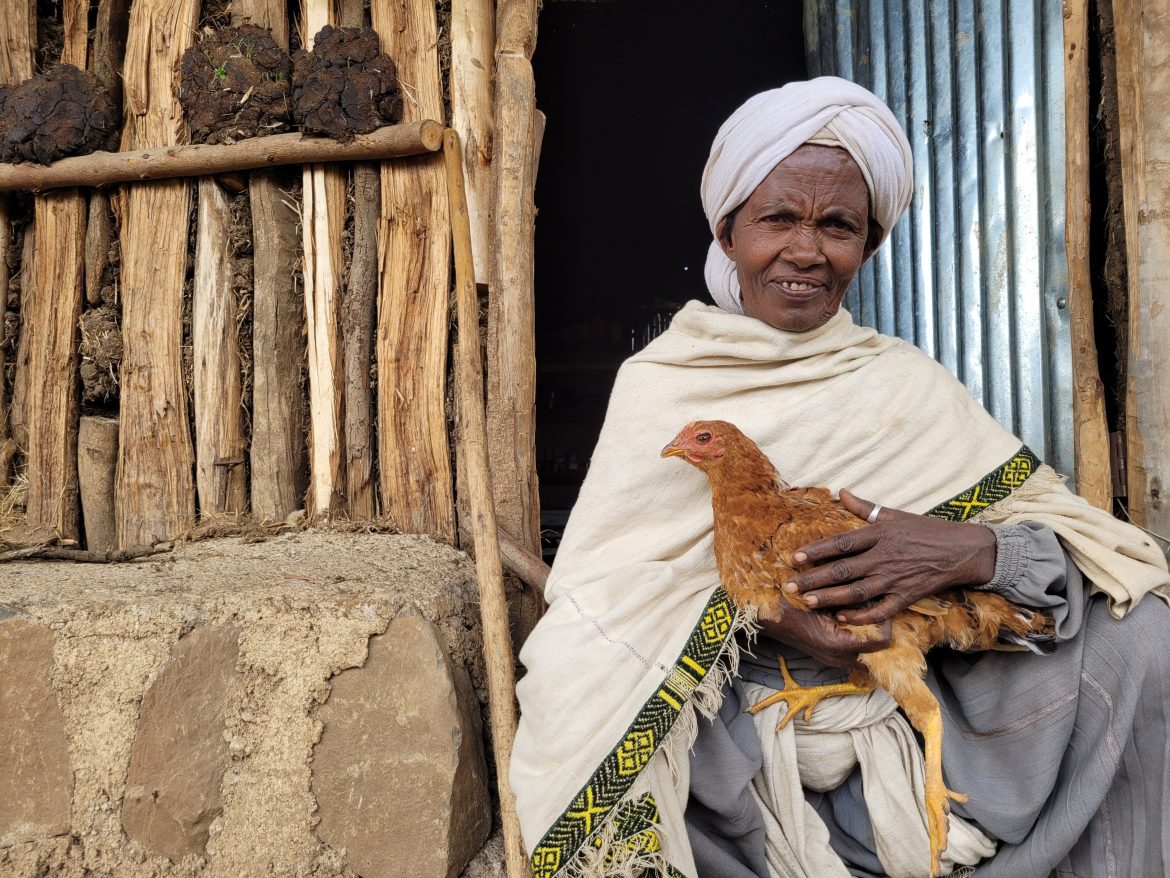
{"x":1032,"y":569}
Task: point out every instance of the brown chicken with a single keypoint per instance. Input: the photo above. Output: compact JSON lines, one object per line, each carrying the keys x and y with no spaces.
{"x":760,"y":521}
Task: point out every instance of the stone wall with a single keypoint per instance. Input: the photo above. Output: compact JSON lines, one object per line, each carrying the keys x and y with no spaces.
{"x":305,"y":706}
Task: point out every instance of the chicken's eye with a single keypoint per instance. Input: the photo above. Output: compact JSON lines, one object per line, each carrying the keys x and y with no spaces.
{"x":703,"y":438}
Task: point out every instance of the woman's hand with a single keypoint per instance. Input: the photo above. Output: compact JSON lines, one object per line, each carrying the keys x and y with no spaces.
{"x":901,"y":559}
{"x":817,"y":635}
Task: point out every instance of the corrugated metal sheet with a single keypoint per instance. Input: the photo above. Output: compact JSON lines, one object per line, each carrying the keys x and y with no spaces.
{"x":975,"y":273}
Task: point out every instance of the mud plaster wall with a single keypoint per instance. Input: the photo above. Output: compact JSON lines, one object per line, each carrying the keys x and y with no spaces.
{"x":306,"y":605}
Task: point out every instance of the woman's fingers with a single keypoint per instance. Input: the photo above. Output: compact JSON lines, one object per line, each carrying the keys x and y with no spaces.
{"x":849,"y":595}
{"x":847,"y":543}
{"x":860,"y":508}
{"x":881,"y":612}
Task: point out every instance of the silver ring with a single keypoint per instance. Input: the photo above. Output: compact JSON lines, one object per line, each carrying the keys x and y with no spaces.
{"x":872,"y":519}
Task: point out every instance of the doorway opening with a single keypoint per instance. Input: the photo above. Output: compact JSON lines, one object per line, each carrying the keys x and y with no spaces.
{"x":633,"y":92}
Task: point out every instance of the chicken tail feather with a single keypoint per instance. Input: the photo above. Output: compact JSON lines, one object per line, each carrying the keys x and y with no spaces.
{"x":1035,"y":631}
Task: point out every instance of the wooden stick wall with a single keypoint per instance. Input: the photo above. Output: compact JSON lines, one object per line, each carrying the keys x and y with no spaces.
{"x":360,"y":448}
{"x":1143,"y":98}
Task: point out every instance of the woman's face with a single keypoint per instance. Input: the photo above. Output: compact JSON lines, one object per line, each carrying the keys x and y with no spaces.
{"x":800,"y":238}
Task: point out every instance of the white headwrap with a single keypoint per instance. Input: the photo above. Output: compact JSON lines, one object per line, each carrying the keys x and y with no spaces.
{"x":770,"y":126}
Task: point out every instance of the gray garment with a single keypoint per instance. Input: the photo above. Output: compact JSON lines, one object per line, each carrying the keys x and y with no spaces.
{"x":1066,"y":758}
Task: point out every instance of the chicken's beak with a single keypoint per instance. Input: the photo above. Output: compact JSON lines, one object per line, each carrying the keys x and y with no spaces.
{"x":673,"y":450}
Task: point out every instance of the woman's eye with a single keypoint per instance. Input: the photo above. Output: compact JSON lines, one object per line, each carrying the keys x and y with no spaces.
{"x":703,"y":438}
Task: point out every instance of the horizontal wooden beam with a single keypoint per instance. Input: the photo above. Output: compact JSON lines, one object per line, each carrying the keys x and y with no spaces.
{"x":160,"y":163}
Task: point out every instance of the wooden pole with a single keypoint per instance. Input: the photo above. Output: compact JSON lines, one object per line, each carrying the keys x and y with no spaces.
{"x":155,"y":493}
{"x":28,"y":296}
{"x":53,"y":403}
{"x":358,"y":311}
{"x":1090,"y":432}
{"x":1143,"y":90}
{"x":109,"y":48}
{"x":358,"y":316}
{"x":511,"y":320}
{"x":161,"y":163}
{"x":521,"y":563}
{"x":279,"y":455}
{"x":219,"y":431}
{"x":322,"y":219}
{"x":414,"y":251}
{"x":17,"y":39}
{"x":97,"y":463}
{"x":473,"y":43}
{"x":497,"y":643}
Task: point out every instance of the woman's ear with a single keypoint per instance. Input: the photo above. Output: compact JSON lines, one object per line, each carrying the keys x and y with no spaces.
{"x":723,"y":235}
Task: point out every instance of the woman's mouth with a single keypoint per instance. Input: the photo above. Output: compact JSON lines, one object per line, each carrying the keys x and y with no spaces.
{"x":798,"y":289}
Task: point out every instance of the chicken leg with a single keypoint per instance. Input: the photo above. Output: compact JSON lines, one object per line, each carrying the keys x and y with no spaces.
{"x":922,"y":709}
{"x":806,"y":698}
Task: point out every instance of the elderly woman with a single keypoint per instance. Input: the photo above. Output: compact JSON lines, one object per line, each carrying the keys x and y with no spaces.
{"x":634,"y":750}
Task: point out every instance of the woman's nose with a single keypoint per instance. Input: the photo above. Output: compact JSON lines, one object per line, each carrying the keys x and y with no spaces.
{"x":803,"y":248}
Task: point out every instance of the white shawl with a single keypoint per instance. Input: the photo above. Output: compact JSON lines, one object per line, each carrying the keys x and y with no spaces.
{"x":638,"y":637}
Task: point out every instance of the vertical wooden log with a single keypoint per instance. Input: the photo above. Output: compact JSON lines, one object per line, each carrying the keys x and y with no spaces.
{"x":7,"y":446}
{"x":358,"y":308}
{"x":17,"y":39}
{"x":75,"y":18}
{"x":28,"y":291}
{"x":1143,"y":91}
{"x":52,"y":405}
{"x":279,"y":456}
{"x":1090,"y":432}
{"x":358,"y":324}
{"x":109,"y":48}
{"x":414,"y":247}
{"x":472,"y":50}
{"x":220,"y":473}
{"x":219,"y":432}
{"x":497,"y":645}
{"x":511,"y":320}
{"x":155,"y":494}
{"x":322,"y":219}
{"x":272,"y":14}
{"x":52,"y":401}
{"x":97,"y":465}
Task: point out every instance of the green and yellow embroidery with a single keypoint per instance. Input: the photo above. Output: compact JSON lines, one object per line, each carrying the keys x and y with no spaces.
{"x":612,"y":780}
{"x":990,"y":489}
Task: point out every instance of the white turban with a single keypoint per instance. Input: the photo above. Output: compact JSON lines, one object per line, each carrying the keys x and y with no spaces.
{"x":770,"y":126}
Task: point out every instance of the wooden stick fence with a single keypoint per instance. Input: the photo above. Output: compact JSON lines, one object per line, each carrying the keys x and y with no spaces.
{"x":153,"y":470}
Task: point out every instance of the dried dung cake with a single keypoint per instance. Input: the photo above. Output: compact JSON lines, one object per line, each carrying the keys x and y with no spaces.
{"x":346,"y":85}
{"x":235,"y":84}
{"x":62,"y":112}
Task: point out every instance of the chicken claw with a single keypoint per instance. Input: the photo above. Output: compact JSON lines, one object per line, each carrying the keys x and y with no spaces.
{"x":938,"y":806}
{"x":805,"y":698}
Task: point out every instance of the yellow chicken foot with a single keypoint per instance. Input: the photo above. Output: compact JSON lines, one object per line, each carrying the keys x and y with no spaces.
{"x":938,"y":798}
{"x":805,"y":698}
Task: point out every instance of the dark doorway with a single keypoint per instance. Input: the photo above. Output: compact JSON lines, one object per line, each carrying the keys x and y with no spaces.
{"x":634,"y":91}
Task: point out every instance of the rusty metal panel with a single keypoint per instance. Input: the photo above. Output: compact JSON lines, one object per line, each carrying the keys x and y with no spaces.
{"x":975,"y":272}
